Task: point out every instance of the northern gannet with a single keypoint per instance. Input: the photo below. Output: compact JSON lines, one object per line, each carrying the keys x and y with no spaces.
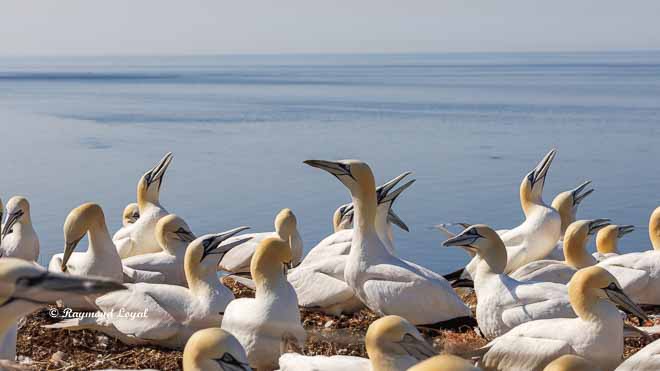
{"x":639,"y":273}
{"x":259,"y":323}
{"x":393,"y":344}
{"x":575,"y":250}
{"x":173,"y":236}
{"x":535,"y":238}
{"x":382,"y":281}
{"x":445,"y":362}
{"x":19,"y":240}
{"x":139,"y":237}
{"x":503,"y":302}
{"x":286,"y":228}
{"x":571,"y":362}
{"x":607,"y":240}
{"x":566,"y":203}
{"x":26,"y":287}
{"x":171,"y":313}
{"x":647,"y":359}
{"x":341,"y":219}
{"x":214,"y":349}
{"x":129,"y":216}
{"x":596,"y":334}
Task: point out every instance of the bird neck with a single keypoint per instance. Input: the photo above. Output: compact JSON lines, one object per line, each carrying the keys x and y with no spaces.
{"x":576,"y":254}
{"x":365,"y":211}
{"x":99,"y":238}
{"x":654,"y":229}
{"x":606,"y":244}
{"x":530,"y":199}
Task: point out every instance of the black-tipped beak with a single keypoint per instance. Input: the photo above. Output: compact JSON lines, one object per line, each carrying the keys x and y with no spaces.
{"x":396,"y":220}
{"x":597,"y":224}
{"x":624,"y":230}
{"x":620,"y":298}
{"x":156,"y":174}
{"x":392,"y":196}
{"x":465,"y":240}
{"x":213,"y":245}
{"x":580,"y":193}
{"x":541,"y":170}
{"x":12,"y":219}
{"x":333,"y":167}
{"x":384,"y":189}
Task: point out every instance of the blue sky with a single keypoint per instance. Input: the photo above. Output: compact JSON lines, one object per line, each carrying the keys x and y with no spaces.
{"x":152,"y":27}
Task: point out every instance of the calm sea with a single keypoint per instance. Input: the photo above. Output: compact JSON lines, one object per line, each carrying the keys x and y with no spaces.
{"x":468,"y":125}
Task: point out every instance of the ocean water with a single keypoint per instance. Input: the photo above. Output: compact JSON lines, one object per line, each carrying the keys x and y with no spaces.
{"x":469,"y":126}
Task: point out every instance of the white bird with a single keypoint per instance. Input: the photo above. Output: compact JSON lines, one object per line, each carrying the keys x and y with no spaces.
{"x":259,"y":323}
{"x":503,"y":302}
{"x":607,"y":240}
{"x":340,"y":219}
{"x":639,"y":273}
{"x":383,"y":282}
{"x":286,"y":228}
{"x":18,"y":239}
{"x":129,"y":216}
{"x":647,"y":359}
{"x":26,"y":287}
{"x":166,"y":315}
{"x":393,"y":344}
{"x":139,"y":237}
{"x":566,"y":203}
{"x":446,"y":362}
{"x":535,"y":238}
{"x":571,"y":362}
{"x":575,"y":250}
{"x":214,"y":349}
{"x":320,"y":284}
{"x":167,"y":266}
{"x":596,"y":334}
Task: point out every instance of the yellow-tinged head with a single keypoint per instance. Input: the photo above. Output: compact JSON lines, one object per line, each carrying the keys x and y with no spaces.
{"x":482,"y":240}
{"x":204,"y":253}
{"x":148,"y":188}
{"x":566,"y":203}
{"x":571,"y":362}
{"x":270,"y":260}
{"x":172,"y":228}
{"x":575,"y":241}
{"x":130,"y":215}
{"x":607,"y":239}
{"x":654,"y":228}
{"x":445,"y":362}
{"x":342,"y":218}
{"x":393,"y":336}
{"x":18,"y":211}
{"x":86,"y":217}
{"x":531,"y":187}
{"x":593,"y":285}
{"x":214,"y":349}
{"x":285,"y":223}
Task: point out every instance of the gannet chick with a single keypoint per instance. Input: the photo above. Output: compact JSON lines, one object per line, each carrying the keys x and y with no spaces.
{"x":382,"y":281}
{"x":503,"y":302}
{"x":393,"y":344}
{"x":19,"y":240}
{"x":139,"y":237}
{"x":445,"y":362}
{"x":639,"y":273}
{"x":607,"y":240}
{"x":535,"y":238}
{"x":647,"y":359}
{"x":566,"y":203}
{"x":214,"y":349}
{"x":571,"y":362}
{"x":575,"y":250}
{"x":286,"y":228}
{"x":173,"y":236}
{"x":26,"y":287}
{"x":260,"y":323}
{"x":171,"y":313}
{"x":596,"y":334}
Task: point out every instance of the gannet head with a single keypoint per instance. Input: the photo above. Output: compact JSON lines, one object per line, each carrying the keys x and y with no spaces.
{"x":272,"y":258}
{"x":566,"y":203}
{"x":654,"y":228}
{"x":531,"y":187}
{"x":204,"y":253}
{"x":342,"y":218}
{"x":286,"y":223}
{"x":592,"y":285}
{"x":214,"y":349}
{"x":445,"y":362}
{"x":482,"y":240}
{"x":575,"y":241}
{"x":393,"y":336}
{"x":607,"y":239}
{"x":131,"y":214}
{"x":148,"y":188}
{"x":356,"y":175}
{"x":80,"y":220}
{"x":18,"y":211}
{"x":173,"y":233}
{"x":571,"y":362}
{"x":385,"y":196}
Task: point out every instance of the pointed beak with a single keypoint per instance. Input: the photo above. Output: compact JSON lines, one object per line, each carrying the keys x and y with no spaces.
{"x":12,"y":219}
{"x":392,"y":196}
{"x":68,"y":251}
{"x":384,"y":189}
{"x":463,"y":241}
{"x":50,"y":287}
{"x":333,"y":167}
{"x":596,"y":224}
{"x":624,"y":230}
{"x":396,"y":220}
{"x":213,"y":245}
{"x":624,"y":302}
{"x":541,"y":170}
{"x":580,"y":193}
{"x":159,"y":170}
